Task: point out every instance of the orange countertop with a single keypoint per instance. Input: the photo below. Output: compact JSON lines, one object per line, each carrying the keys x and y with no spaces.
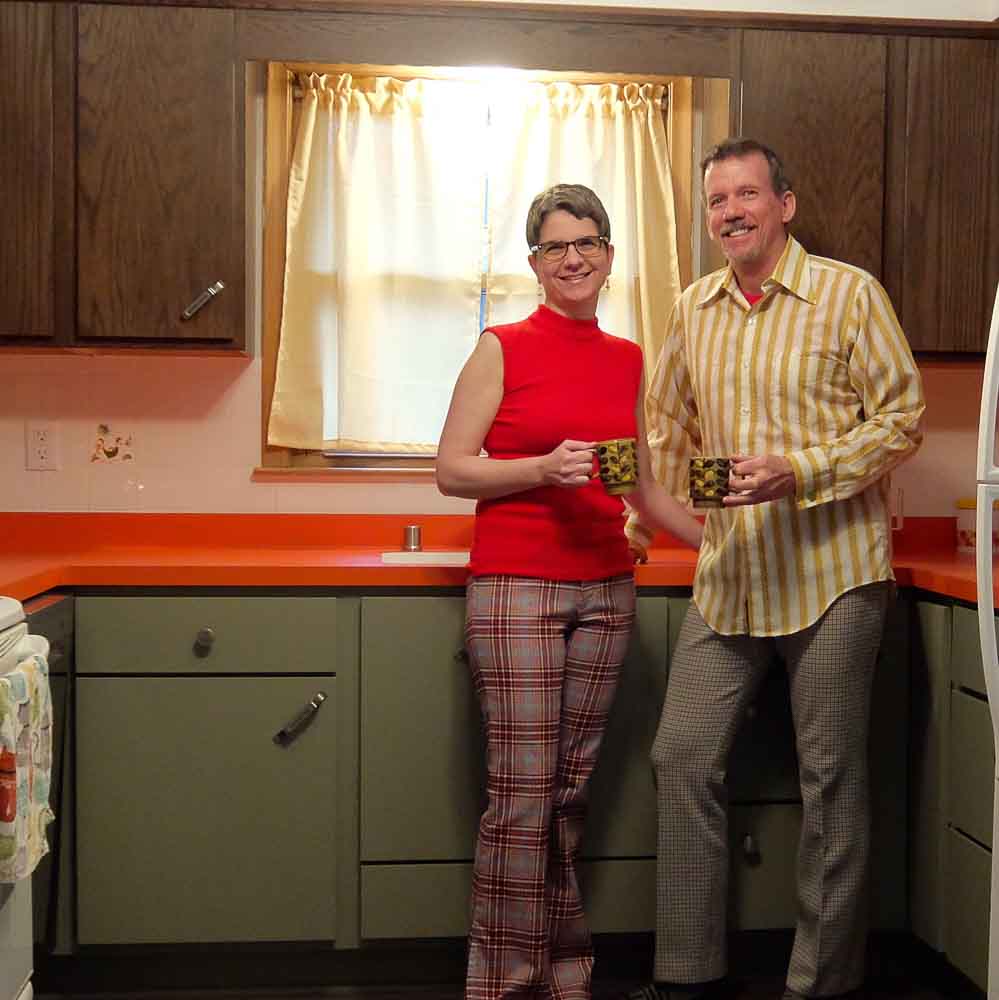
{"x":46,"y":551}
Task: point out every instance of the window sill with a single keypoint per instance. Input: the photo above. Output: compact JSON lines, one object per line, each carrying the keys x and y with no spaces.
{"x":342,"y":475}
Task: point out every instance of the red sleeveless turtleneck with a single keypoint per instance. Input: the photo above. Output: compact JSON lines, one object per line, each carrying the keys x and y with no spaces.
{"x":562,"y":378}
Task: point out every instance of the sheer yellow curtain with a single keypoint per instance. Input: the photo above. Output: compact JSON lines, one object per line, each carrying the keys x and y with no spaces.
{"x":383,"y":272}
{"x":612,"y":138}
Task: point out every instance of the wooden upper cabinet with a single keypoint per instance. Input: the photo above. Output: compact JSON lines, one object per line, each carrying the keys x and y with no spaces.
{"x":36,"y":172}
{"x":160,"y":213}
{"x":951,"y":216}
{"x":818,"y":99}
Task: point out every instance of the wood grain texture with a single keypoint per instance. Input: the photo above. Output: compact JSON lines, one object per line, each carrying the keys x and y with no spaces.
{"x":819,"y":101}
{"x":160,"y":181}
{"x":557,"y":10}
{"x":952,"y":211}
{"x":27,"y":282}
{"x":459,"y":39}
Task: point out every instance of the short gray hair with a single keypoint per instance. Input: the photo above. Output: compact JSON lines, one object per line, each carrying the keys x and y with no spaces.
{"x":575,"y":199}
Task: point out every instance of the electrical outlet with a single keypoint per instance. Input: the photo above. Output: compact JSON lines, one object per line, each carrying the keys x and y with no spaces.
{"x":41,"y":445}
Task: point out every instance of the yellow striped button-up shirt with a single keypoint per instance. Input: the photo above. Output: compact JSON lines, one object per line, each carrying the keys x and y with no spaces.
{"x":818,"y":371}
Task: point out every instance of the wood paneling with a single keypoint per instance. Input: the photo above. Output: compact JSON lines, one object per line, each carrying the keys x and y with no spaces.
{"x":26,"y":283}
{"x":161,"y":211}
{"x":952,"y":209}
{"x":819,"y":100}
{"x":469,"y":38}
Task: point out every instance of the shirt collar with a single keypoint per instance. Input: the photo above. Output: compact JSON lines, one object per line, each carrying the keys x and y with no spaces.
{"x":793,"y":273}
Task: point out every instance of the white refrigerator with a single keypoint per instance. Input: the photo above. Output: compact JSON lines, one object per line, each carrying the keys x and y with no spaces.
{"x":987,"y":474}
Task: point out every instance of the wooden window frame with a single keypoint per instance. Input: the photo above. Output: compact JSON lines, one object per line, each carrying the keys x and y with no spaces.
{"x":282,"y":464}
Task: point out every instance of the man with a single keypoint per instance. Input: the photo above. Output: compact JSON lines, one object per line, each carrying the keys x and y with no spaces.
{"x":793,"y":366}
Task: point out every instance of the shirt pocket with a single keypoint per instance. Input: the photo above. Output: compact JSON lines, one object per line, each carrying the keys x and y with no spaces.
{"x":806,"y":369}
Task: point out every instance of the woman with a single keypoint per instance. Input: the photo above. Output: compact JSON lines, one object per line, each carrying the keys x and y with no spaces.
{"x":551,"y":599}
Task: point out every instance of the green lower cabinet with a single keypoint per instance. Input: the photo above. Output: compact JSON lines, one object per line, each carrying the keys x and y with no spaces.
{"x":968,"y":871}
{"x":972,"y":767}
{"x":415,"y":901}
{"x":422,"y":749}
{"x":763,"y":852}
{"x":193,"y":825}
{"x":929,"y":739}
{"x":967,"y":670}
{"x":622,"y":807}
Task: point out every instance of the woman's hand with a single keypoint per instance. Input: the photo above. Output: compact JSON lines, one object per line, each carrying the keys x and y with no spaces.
{"x":570,"y":465}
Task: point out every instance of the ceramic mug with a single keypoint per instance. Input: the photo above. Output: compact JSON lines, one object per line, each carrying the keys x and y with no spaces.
{"x":709,"y":481}
{"x":618,"y":461}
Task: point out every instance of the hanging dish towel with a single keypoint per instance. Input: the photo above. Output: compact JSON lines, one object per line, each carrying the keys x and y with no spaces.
{"x":25,"y":760}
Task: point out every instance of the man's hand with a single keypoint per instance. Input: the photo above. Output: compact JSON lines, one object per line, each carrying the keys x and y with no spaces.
{"x":759,"y":479}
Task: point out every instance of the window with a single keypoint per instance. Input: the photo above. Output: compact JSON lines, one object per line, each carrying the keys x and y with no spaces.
{"x":405,"y":199}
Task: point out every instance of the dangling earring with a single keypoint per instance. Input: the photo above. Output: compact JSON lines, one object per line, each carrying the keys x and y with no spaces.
{"x":541,"y":292}
{"x":607,"y":283}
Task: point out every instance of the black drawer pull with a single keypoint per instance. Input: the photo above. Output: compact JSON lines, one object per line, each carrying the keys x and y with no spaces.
{"x":291,"y":732}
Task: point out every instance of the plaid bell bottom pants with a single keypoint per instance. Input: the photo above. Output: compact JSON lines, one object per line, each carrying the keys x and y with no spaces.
{"x":545,"y":659}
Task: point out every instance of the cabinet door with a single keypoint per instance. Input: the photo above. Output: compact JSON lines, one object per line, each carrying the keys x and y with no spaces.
{"x":193,"y":825}
{"x":160,"y":212}
{"x":968,"y":880}
{"x":36,"y":179}
{"x":622,"y":812}
{"x":833,"y":146}
{"x":951,"y":211}
{"x":422,"y":749}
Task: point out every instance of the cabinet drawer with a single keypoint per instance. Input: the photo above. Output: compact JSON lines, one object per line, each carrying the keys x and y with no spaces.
{"x":967,"y":907}
{"x":415,"y":901}
{"x":966,"y":650}
{"x":206,"y":635}
{"x":763,"y":841}
{"x":192,"y":824}
{"x":972,"y":767}
{"x":619,"y":896}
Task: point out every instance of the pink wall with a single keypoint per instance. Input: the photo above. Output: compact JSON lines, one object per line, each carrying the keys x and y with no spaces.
{"x":194,"y":429}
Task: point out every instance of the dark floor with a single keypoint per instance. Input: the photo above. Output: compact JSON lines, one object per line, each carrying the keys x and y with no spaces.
{"x":899,"y":968}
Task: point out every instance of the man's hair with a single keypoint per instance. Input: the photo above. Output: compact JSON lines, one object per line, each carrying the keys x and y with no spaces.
{"x":575,"y":199}
{"x":736,"y":146}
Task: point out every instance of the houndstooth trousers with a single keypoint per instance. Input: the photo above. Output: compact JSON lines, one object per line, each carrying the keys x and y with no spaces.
{"x":712,"y":679}
{"x":545,"y":661}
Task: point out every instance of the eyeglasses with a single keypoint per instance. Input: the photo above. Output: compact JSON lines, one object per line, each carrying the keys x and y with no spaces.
{"x":586,"y":246}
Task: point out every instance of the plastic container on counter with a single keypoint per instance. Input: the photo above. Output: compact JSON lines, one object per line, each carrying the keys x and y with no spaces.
{"x":966,"y":512}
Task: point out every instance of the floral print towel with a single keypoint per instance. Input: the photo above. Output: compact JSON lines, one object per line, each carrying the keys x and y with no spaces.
{"x":25,"y":766}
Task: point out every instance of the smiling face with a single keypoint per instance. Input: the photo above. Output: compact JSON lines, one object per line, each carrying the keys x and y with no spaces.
{"x":746,"y":217}
{"x":571,"y":285}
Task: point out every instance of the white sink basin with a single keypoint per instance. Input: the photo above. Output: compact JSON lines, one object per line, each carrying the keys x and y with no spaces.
{"x":426,"y":558}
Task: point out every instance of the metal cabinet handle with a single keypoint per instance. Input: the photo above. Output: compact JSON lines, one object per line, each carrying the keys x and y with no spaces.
{"x":204,"y":641}
{"x":294,"y":729}
{"x":206,"y":296}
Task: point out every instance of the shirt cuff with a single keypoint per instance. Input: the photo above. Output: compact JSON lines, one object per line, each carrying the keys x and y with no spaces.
{"x":813,"y":476}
